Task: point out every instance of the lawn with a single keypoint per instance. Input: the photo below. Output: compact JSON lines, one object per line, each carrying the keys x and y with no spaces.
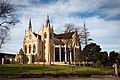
{"x":53,"y":69}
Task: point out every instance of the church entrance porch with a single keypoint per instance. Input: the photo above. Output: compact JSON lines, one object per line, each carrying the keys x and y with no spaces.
{"x":61,"y":56}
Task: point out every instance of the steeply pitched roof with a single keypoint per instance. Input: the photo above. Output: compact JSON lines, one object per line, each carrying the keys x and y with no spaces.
{"x":64,"y":35}
{"x":39,"y":36}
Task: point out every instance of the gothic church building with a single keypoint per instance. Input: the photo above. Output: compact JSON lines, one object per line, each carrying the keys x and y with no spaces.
{"x":47,"y":46}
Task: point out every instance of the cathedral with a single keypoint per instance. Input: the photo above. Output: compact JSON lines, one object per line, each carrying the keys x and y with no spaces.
{"x":47,"y":46}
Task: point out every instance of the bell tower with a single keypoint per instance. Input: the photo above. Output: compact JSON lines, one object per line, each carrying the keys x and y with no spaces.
{"x":48,"y":39}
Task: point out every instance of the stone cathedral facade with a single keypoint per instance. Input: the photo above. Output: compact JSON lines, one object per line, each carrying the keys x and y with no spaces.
{"x":47,"y":46}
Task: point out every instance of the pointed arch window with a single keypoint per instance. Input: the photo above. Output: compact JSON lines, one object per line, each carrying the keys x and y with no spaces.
{"x":25,"y":48}
{"x":45,"y":35}
{"x":30,"y":36}
{"x":34,"y":48}
{"x":29,"y":48}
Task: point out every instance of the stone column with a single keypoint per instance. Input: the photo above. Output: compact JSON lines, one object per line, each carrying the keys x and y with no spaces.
{"x":65,"y":55}
{"x":74,"y":55}
{"x":60,"y":53}
{"x":54,"y":52}
{"x":70,"y":57}
{"x":30,"y":59}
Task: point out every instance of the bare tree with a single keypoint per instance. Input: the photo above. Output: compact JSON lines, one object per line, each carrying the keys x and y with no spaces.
{"x":7,"y":19}
{"x":85,"y":35}
{"x":85,"y":38}
{"x":68,"y":29}
{"x":81,"y":34}
{"x":72,"y":42}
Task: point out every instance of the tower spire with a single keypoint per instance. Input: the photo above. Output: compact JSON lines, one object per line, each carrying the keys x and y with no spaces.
{"x":47,"y":17}
{"x":30,"y":25}
{"x":47,"y":21}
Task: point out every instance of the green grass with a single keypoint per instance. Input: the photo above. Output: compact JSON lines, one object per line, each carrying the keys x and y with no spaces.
{"x":53,"y":69}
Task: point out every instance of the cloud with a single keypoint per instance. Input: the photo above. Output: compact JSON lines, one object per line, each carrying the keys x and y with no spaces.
{"x":101,"y":17}
{"x":110,"y":47}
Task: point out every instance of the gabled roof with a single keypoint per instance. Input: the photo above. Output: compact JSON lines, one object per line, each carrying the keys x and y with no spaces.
{"x":64,"y":35}
{"x":39,"y":36}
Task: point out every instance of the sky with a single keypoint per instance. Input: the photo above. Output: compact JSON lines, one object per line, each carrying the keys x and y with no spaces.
{"x":102,"y":19}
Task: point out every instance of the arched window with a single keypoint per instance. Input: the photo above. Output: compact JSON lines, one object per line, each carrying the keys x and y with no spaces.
{"x":45,"y":35}
{"x":29,"y":48}
{"x":50,"y":35}
{"x":30,"y":36}
{"x":25,"y":48}
{"x":34,"y":48}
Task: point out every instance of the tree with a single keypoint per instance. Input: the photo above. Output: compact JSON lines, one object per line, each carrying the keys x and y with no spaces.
{"x":104,"y":58}
{"x":21,"y":57}
{"x":1,"y":56}
{"x":85,"y":35}
{"x":119,"y":58}
{"x":92,"y":52}
{"x":113,"y":57}
{"x":7,"y":19}
{"x":70,"y":43}
{"x":68,"y":29}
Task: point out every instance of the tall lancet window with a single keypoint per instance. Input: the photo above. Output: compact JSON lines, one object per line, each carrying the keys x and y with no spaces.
{"x":50,"y":35}
{"x":29,"y":48}
{"x":34,"y":48}
{"x":45,"y":35}
{"x":25,"y":48}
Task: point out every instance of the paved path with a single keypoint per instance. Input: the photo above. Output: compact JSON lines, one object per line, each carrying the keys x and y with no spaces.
{"x":70,"y":78}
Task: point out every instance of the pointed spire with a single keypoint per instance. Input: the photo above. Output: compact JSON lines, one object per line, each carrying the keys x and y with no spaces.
{"x":47,"y":17}
{"x":30,"y":25}
{"x":47,"y":21}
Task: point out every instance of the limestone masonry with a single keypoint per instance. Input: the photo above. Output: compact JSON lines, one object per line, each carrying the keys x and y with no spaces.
{"x":46,"y":46}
